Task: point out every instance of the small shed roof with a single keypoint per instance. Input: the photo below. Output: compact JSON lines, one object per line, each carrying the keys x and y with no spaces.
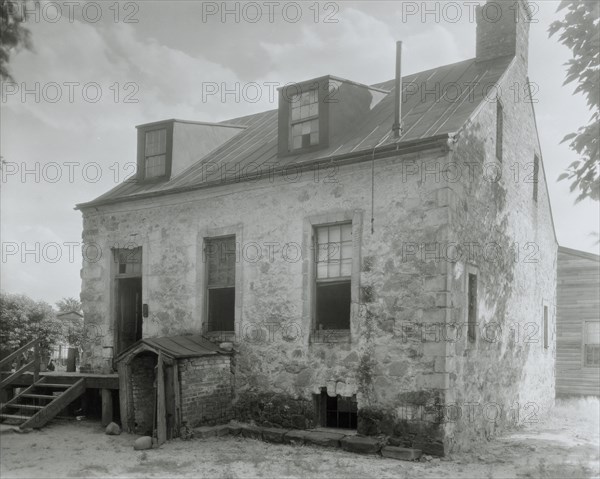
{"x":175,"y":347}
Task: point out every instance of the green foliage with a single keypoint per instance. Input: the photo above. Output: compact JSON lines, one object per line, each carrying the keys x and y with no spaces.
{"x":579,"y":31}
{"x":274,"y":410}
{"x":14,"y":34}
{"x":66,"y":305}
{"x":22,"y":320}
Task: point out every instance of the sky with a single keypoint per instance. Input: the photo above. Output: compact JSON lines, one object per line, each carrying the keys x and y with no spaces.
{"x":97,"y":69}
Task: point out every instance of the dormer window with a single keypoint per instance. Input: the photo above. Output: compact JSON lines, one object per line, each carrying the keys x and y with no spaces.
{"x":315,"y":113}
{"x":155,"y":153}
{"x":304,"y":119}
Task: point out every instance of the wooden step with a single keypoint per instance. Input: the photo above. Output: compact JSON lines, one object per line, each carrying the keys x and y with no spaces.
{"x":57,"y":404}
{"x":15,"y":416}
{"x":39,"y":396}
{"x":52,"y":385}
{"x":25,"y":406}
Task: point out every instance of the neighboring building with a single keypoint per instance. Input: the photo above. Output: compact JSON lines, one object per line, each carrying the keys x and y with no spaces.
{"x":578,"y":323}
{"x":60,"y":350}
{"x":259,"y":231}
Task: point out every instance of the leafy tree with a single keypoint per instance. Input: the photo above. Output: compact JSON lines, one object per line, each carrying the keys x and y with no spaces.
{"x":22,"y":320}
{"x":579,"y":30}
{"x":14,"y":35}
{"x":66,"y":305}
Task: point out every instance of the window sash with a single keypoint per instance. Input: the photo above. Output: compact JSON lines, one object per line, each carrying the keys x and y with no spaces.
{"x":304,"y":120}
{"x":472,"y":307}
{"x":592,"y":355}
{"x":220,"y":255}
{"x":156,"y":143}
{"x":499,"y":128}
{"x":129,"y":261}
{"x":333,"y":251}
{"x":592,"y":332}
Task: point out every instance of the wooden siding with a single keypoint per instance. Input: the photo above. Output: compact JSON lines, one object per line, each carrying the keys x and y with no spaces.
{"x":578,"y":301}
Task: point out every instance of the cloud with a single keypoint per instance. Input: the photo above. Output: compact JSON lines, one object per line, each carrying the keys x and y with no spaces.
{"x":359,"y":47}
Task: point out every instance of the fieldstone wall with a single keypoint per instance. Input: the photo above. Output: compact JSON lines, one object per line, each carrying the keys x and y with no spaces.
{"x":405,"y":357}
{"x":276,"y":351}
{"x":506,"y":377}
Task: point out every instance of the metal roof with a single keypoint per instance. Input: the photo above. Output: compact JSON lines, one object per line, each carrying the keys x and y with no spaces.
{"x":435,"y":102}
{"x":177,"y":347}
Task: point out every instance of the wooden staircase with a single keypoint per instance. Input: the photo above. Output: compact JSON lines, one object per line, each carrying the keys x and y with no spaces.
{"x":43,"y":400}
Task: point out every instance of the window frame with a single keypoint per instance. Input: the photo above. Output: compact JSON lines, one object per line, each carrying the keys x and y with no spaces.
{"x":342,"y":279}
{"x":207,"y":286}
{"x":499,"y":130}
{"x":584,"y":343}
{"x":472,"y":335}
{"x":321,"y":85}
{"x":141,"y":151}
{"x":311,"y":118}
{"x":147,"y":157}
{"x":355,"y":217}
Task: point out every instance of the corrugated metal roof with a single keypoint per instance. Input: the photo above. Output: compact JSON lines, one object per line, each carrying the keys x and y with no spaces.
{"x":177,"y":346}
{"x":435,"y":102}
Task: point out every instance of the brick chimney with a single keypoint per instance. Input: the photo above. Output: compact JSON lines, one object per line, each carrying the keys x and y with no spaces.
{"x":503,"y":29}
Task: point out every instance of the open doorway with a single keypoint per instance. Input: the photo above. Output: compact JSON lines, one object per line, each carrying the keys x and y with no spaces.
{"x":128,"y":297}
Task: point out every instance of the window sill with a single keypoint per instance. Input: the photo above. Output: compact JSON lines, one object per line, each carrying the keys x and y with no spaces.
{"x":220,"y":336}
{"x":324,"y":336}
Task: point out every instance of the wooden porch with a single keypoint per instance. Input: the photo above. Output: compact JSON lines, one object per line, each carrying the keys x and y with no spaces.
{"x":43,"y":395}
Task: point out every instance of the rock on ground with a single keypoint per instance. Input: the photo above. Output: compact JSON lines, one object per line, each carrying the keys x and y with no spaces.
{"x":113,"y":429}
{"x":141,"y":443}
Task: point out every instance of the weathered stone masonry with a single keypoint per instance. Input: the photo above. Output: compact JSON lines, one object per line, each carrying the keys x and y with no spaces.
{"x":417,"y":378}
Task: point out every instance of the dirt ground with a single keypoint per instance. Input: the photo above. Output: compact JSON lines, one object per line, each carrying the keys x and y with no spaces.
{"x":565,"y":445}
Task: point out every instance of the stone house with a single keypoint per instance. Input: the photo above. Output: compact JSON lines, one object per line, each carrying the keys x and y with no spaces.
{"x":578,"y":323}
{"x":393,"y":274}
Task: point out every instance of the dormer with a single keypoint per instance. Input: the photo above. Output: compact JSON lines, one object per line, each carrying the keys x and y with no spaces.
{"x":166,"y":148}
{"x":314,"y":113}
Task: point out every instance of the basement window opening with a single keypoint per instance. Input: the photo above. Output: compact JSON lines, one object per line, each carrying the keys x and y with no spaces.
{"x":338,"y":412}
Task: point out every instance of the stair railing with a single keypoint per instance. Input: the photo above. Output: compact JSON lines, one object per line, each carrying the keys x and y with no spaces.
{"x":32,"y":365}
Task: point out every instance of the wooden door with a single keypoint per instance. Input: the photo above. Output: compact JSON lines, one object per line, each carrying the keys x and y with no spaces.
{"x":129,"y":312}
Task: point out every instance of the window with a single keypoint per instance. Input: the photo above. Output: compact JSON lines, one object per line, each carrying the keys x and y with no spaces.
{"x":129,"y":261}
{"x":536,"y":169}
{"x":333,"y":269}
{"x":155,"y":153}
{"x":545,"y":327}
{"x":472,"y":307}
{"x":220,"y":257}
{"x":499,"y":128}
{"x":304,"y":119}
{"x":591,"y":344}
{"x":338,"y":411}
